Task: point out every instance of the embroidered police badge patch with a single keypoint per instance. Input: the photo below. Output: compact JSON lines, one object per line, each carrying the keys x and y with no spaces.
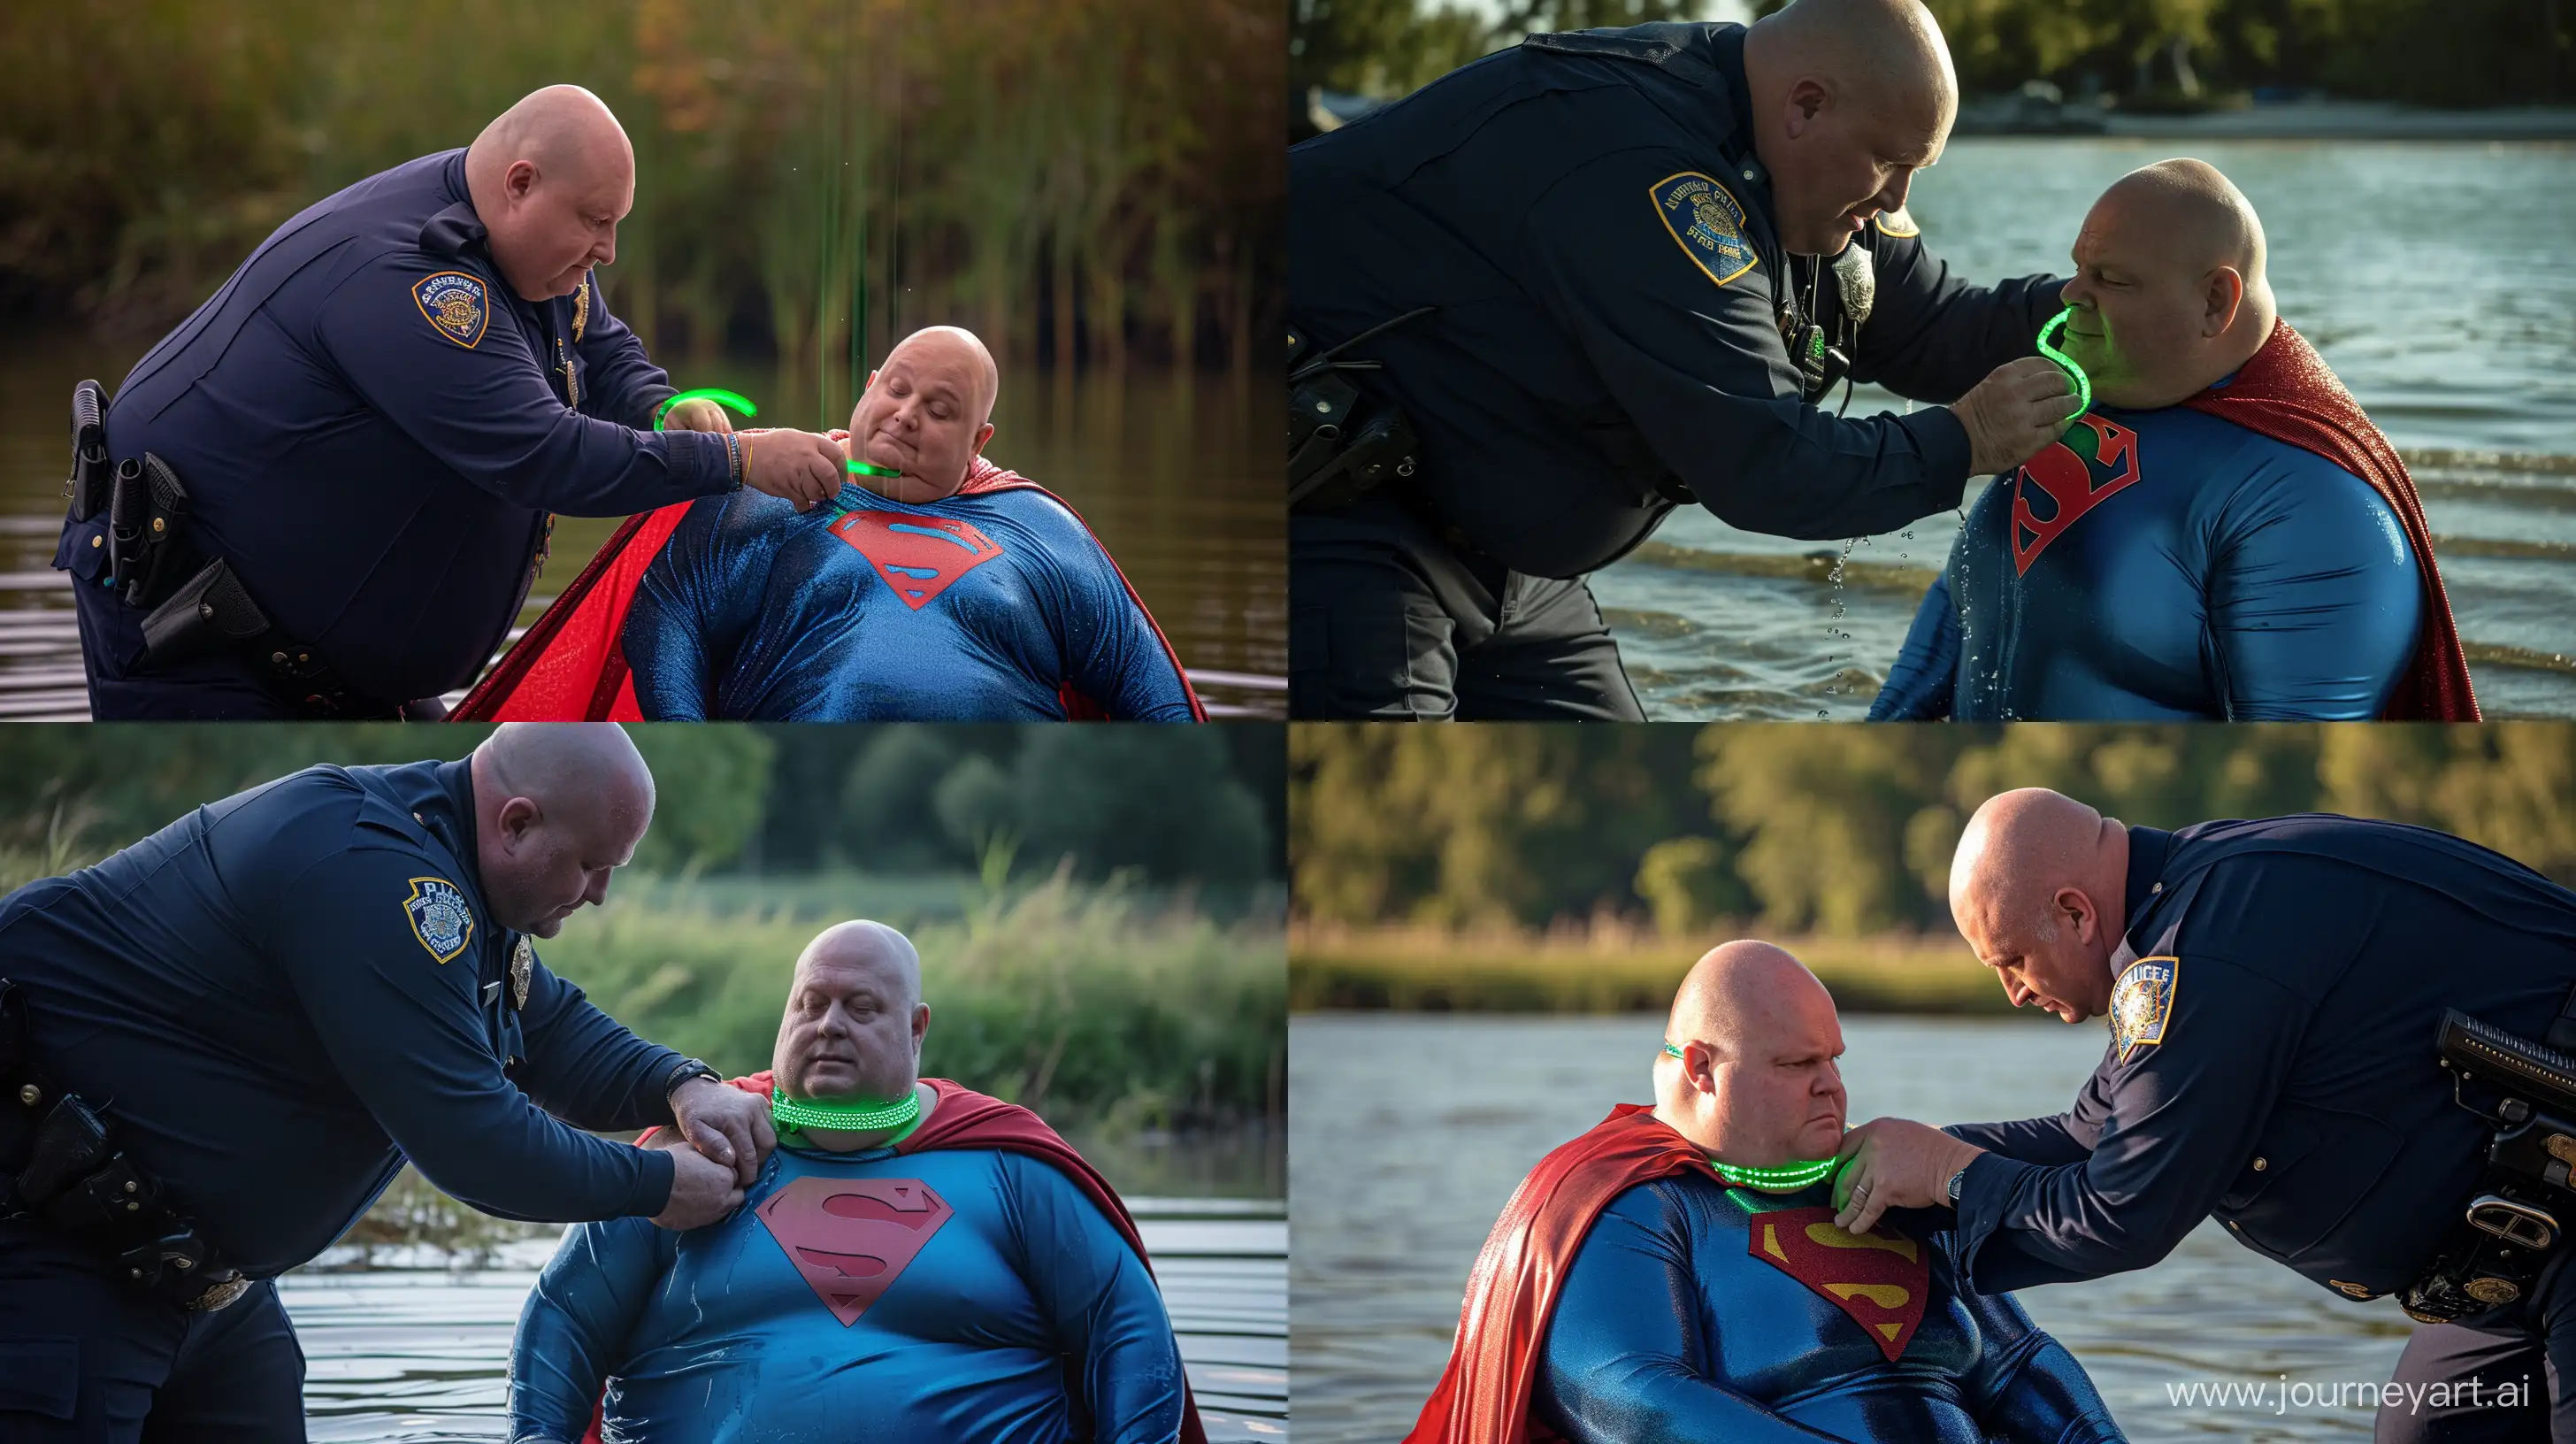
{"x":1898,"y":223}
{"x":1705,"y":222}
{"x":453,"y":303}
{"x":440,"y":917}
{"x":2140,"y":1003}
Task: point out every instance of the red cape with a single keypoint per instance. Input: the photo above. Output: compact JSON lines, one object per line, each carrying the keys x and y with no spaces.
{"x":570,"y":668}
{"x":2287,"y":392}
{"x":1483,"y":1396}
{"x":964,"y":1118}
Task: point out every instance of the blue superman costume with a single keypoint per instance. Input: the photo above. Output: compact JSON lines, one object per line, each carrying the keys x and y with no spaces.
{"x":996,"y":603}
{"x":977,"y":1281}
{"x":1626,"y":1293}
{"x":2257,"y":553}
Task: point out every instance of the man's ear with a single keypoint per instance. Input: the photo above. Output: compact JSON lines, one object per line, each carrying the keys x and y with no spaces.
{"x":517,"y":819}
{"x":519,"y":179}
{"x":920,"y":1030}
{"x":982,"y":435}
{"x":2079,"y":912}
{"x":2221,"y":297}
{"x":1806,"y":97}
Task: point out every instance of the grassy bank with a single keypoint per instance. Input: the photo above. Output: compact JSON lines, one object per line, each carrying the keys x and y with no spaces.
{"x":1606,"y":970}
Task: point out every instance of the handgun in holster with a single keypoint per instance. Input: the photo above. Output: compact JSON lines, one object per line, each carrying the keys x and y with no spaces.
{"x":148,"y":509}
{"x":2516,"y":1215}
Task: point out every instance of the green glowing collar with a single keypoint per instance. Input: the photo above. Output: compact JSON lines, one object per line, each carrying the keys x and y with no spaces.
{"x":862,"y":468}
{"x":1788,"y":1178}
{"x":846,"y":1115}
{"x":2066,"y":363}
{"x":734,"y":399}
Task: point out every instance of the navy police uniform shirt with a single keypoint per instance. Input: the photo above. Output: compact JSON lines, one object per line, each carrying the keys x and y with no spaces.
{"x":373,"y":427}
{"x":2272,"y":1058}
{"x":283,"y":995}
{"x":1589,"y":216}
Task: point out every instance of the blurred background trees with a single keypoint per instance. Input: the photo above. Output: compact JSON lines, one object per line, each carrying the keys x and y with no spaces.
{"x":1832,"y":831}
{"x":1092,"y":182}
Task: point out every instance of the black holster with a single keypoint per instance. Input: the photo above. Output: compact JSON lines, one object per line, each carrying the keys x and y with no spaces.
{"x":87,"y":486}
{"x":2518,"y":1214}
{"x":60,"y":1166}
{"x":1341,"y":444}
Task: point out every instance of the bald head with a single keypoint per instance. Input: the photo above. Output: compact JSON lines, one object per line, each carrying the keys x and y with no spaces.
{"x":2170,"y":290}
{"x":550,"y":178}
{"x":855,"y":1020}
{"x":1849,"y":98}
{"x":2038,"y":888}
{"x":1756,"y":1083}
{"x":927,"y":413}
{"x":558,"y":806}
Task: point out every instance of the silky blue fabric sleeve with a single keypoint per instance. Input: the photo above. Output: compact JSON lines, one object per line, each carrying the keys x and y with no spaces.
{"x":409,"y":1036}
{"x":1101,"y":1304}
{"x":1113,"y":655}
{"x":699,"y":599}
{"x":584,"y":1066}
{"x":620,"y":383}
{"x":488,"y":413}
{"x":573,"y":1328}
{"x":2314,"y":602}
{"x":1616,"y":1364}
{"x":1923,"y":681}
{"x":2026,"y":1388}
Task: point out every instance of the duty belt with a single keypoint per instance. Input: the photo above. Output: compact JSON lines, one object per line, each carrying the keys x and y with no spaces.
{"x":60,"y":1166}
{"x":2515,"y":1217}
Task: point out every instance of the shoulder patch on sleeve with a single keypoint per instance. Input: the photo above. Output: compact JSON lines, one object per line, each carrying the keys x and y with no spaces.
{"x":1898,"y":223}
{"x":1705,"y":222}
{"x":440,"y":917}
{"x":2141,"y":1002}
{"x":454,"y":304}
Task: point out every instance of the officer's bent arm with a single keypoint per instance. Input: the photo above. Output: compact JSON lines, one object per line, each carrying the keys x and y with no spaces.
{"x":1931,"y":336}
{"x":2026,"y":1388}
{"x":1113,"y":654}
{"x":1615,"y":1364}
{"x":2061,"y":1138}
{"x":584,"y":1066}
{"x":2184,"y":1116}
{"x":1923,"y":681}
{"x":1100,"y":1303}
{"x":620,"y":383}
{"x":412,"y":1040}
{"x":487,"y":412}
{"x":1689,"y":348}
{"x":2314,"y":607}
{"x":574,"y":1326}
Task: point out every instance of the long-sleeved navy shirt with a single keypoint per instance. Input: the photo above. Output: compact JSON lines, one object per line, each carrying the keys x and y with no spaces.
{"x":2272,"y":1058}
{"x":372,"y":427}
{"x":965,"y":1295}
{"x":284,"y":994}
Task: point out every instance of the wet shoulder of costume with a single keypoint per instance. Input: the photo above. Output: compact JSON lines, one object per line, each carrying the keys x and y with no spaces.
{"x":956,"y":1294}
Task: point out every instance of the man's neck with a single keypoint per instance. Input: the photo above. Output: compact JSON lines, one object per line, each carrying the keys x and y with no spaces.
{"x":845,"y":1140}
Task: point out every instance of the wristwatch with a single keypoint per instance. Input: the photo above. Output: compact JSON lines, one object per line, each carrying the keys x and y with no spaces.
{"x":1956,"y":1180}
{"x":689,"y":1068}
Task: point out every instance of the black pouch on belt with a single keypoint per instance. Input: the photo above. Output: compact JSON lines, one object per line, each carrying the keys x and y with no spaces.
{"x":88,"y":484}
{"x":210,"y":612}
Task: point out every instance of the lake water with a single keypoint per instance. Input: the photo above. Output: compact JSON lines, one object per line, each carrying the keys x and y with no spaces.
{"x":2418,"y":269}
{"x":423,"y":1354}
{"x":1178,"y":474}
{"x":1408,"y":1132}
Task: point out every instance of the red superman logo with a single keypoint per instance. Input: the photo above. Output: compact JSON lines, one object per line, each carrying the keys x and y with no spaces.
{"x":1880,"y":1278}
{"x":851,"y":1238}
{"x":917,"y":555}
{"x":2072,"y":485}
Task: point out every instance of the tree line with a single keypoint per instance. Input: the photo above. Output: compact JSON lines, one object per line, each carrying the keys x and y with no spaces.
{"x":1834,"y":830}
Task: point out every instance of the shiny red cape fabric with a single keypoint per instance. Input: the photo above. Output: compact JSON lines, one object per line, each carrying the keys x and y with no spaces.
{"x":964,"y":1118}
{"x":1483,"y":1396}
{"x":2287,"y":392}
{"x":569,"y":667}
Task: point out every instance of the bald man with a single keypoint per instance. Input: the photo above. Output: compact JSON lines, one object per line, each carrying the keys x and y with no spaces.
{"x":1630,"y":266}
{"x":2191,"y":549}
{"x":219,"y":1045}
{"x":936,"y":586}
{"x":918,"y":1261}
{"x":1675,"y":1274}
{"x":361,"y":440}
{"x":2274,"y":990}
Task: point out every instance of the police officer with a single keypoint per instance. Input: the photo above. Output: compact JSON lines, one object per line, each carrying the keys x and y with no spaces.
{"x":225,"y":1040}
{"x":2275,"y":990}
{"x":361,"y":437}
{"x":1648,"y":253}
